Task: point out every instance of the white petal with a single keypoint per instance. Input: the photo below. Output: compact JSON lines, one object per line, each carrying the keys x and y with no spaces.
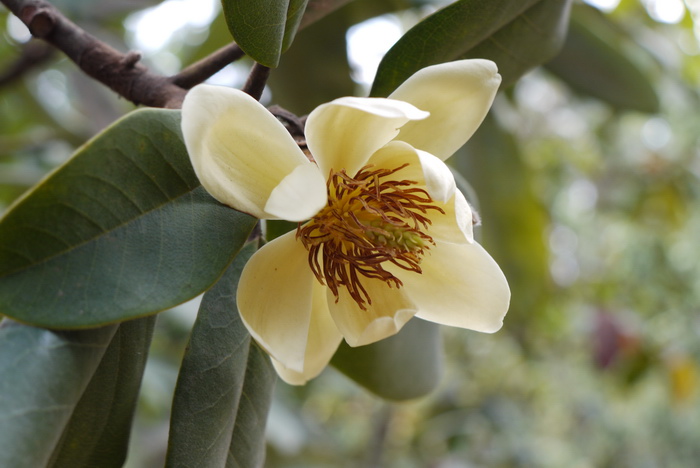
{"x":461,"y":286}
{"x":389,"y":311}
{"x":239,"y":151}
{"x":277,"y":301}
{"x":458,"y":96}
{"x":322,"y":342}
{"x":300,"y":195}
{"x":344,"y":133}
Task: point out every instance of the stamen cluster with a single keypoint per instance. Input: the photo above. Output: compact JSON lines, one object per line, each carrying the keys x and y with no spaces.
{"x":369,"y":219}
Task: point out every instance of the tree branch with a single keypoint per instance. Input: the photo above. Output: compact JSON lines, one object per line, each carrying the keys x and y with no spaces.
{"x":203,"y":69}
{"x":120,"y":72}
{"x":32,"y":54}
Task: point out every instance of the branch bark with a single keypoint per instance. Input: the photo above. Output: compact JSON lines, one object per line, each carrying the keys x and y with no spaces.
{"x":122,"y":72}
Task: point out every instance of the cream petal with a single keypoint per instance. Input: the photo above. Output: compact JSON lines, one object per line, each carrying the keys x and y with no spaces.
{"x":344,"y":133}
{"x":389,"y":311}
{"x":461,"y":286}
{"x":322,"y":342}
{"x":239,"y":151}
{"x":458,"y":96}
{"x":300,"y":195}
{"x":455,"y":225}
{"x":275,"y":298}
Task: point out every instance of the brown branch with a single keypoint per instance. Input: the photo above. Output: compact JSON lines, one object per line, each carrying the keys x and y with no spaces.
{"x":198,"y":72}
{"x":255,"y":84}
{"x":120,"y":72}
{"x":32,"y":54}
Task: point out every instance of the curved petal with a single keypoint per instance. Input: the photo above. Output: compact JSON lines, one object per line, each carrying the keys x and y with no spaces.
{"x":389,"y":311}
{"x":458,"y":96}
{"x":240,"y":152}
{"x":278,"y":303}
{"x":344,"y":133}
{"x":429,"y":172}
{"x":461,"y":286}
{"x":322,"y":342}
{"x":300,"y":195}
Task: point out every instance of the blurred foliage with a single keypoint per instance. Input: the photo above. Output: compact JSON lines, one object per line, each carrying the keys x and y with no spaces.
{"x":588,"y":203}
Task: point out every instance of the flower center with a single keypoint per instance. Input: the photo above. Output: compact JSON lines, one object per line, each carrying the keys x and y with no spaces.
{"x":370,"y":219}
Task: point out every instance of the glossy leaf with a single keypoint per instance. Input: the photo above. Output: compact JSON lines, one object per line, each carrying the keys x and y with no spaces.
{"x":593,"y":62}
{"x":99,"y":429}
{"x":222,"y":377}
{"x":404,"y":366}
{"x":516,"y":34}
{"x":263,"y":31}
{"x":44,"y":374}
{"x":122,"y":230}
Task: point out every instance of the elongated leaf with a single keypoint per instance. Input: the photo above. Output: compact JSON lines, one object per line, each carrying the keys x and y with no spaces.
{"x":99,"y":429}
{"x":517,"y":34}
{"x":248,"y":441}
{"x":213,"y":394}
{"x":404,"y":366}
{"x":44,"y":374}
{"x":263,"y":29}
{"x":593,"y":62}
{"x":122,"y":230}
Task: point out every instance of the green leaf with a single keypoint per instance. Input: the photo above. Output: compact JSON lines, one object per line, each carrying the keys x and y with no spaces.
{"x":220,"y":380}
{"x":248,"y":441}
{"x":516,"y":34}
{"x":404,"y":366}
{"x":263,"y":30}
{"x":44,"y":374}
{"x":122,"y":230}
{"x":596,"y":61}
{"x":99,"y":429}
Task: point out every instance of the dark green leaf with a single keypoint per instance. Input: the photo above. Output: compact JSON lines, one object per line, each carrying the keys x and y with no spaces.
{"x":44,"y":374}
{"x":99,"y":429}
{"x":593,"y":62}
{"x":516,"y":34}
{"x":248,"y":442}
{"x":263,"y":29}
{"x":406,"y":365}
{"x":213,"y":394}
{"x":122,"y":230}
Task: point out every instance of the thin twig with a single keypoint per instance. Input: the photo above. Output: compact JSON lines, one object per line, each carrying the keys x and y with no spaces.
{"x":256,"y":80}
{"x":198,"y":72}
{"x":121,"y":72}
{"x":32,"y":54}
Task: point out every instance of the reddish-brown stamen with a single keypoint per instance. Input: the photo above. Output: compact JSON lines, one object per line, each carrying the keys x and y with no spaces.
{"x":370,"y":219}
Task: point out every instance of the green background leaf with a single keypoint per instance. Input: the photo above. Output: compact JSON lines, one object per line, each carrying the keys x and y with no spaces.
{"x":99,"y":429}
{"x":404,"y":366}
{"x":122,"y":230}
{"x":222,"y":387}
{"x":263,"y":29}
{"x":517,"y":34}
{"x":44,"y":374}
{"x":593,"y":62}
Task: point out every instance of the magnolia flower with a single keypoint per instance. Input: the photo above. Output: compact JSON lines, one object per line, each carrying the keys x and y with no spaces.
{"x":384,"y":234}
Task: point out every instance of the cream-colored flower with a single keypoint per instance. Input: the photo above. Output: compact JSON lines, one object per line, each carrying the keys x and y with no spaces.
{"x":388,"y":235}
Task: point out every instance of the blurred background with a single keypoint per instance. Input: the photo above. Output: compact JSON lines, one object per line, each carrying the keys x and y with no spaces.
{"x":586,"y":178}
